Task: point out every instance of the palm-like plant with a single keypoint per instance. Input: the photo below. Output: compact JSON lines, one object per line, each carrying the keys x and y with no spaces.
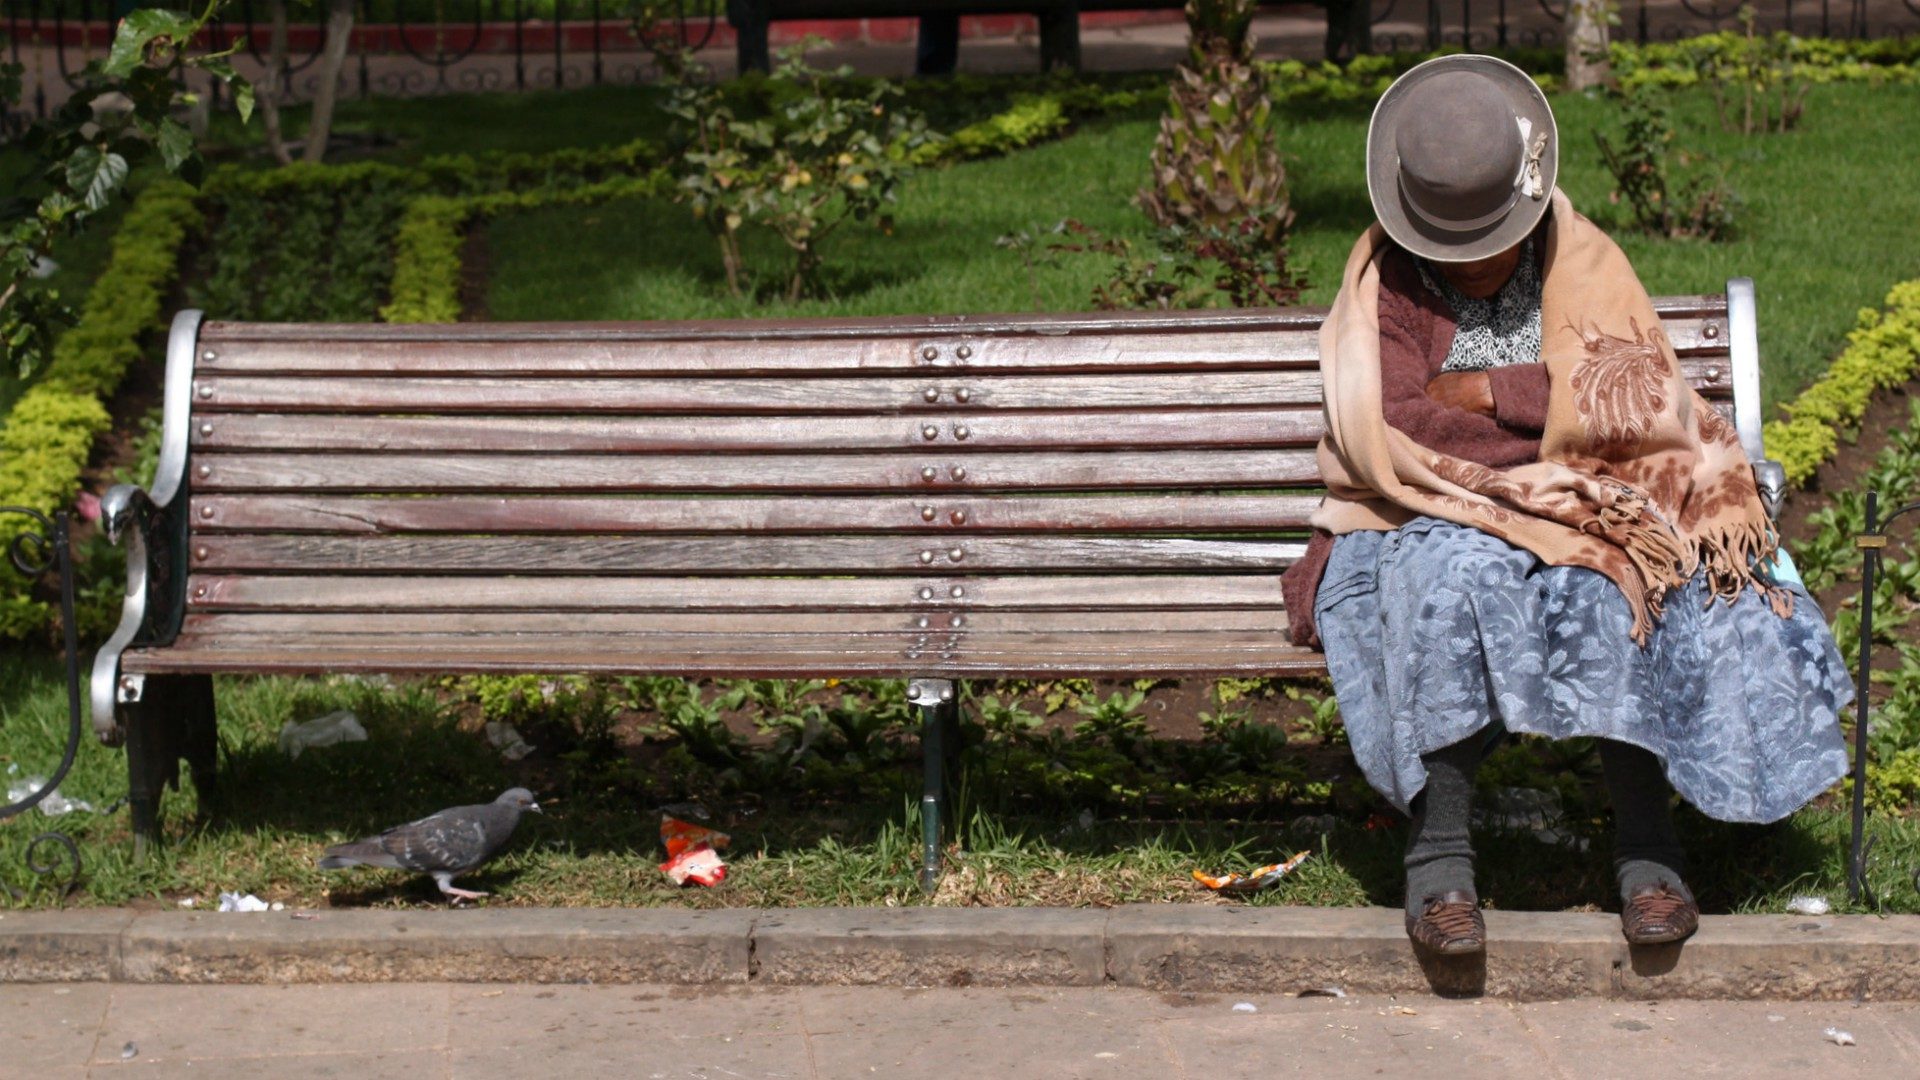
{"x":1215,"y":164}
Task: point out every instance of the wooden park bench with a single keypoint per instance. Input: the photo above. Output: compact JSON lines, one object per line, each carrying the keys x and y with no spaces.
{"x":1059,"y":20}
{"x":1349,"y":25}
{"x":940,"y":498}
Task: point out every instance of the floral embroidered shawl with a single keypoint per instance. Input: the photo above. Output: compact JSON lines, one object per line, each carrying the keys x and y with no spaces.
{"x":1638,"y":477}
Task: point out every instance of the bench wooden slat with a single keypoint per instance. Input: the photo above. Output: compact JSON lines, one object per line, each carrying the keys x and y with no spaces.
{"x":324,"y":625}
{"x":1052,"y":663}
{"x":729,"y":554}
{"x":1143,"y":642}
{"x":1147,"y":431}
{"x":1055,"y":471}
{"x":1297,"y":388}
{"x":723,"y":434}
{"x":1133,"y":341}
{"x":812,"y":396}
{"x":718,"y":514}
{"x":935,"y":592}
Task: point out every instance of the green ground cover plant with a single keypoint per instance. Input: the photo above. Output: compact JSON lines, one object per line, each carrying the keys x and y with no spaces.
{"x":1078,"y":806}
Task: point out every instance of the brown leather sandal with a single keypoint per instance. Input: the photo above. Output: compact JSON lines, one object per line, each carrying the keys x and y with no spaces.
{"x":1656,"y":915}
{"x":1451,"y":925}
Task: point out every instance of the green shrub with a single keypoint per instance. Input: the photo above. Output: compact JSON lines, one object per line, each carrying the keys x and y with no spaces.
{"x":50,"y":433}
{"x":1883,"y":351}
{"x":1668,"y":190}
{"x":426,"y":270}
{"x":1027,"y":122}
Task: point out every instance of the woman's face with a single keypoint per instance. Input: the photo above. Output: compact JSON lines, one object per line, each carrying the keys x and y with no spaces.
{"x":1484,"y":277}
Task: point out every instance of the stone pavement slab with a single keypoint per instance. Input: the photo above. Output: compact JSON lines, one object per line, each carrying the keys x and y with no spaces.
{"x":669,"y":1032}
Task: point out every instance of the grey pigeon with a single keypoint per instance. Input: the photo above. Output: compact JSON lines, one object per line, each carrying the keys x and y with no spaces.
{"x":443,"y":845}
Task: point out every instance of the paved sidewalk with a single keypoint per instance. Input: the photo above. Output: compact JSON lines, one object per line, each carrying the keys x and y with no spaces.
{"x":417,"y":1031}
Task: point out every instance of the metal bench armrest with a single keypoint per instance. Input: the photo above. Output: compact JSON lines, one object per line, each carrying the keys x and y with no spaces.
{"x":152,"y":526}
{"x":1743,"y":348}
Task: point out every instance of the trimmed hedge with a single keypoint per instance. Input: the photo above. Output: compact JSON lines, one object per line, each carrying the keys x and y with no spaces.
{"x":1673,"y":65}
{"x":426,"y":264}
{"x":1882,"y":352}
{"x":50,"y":432}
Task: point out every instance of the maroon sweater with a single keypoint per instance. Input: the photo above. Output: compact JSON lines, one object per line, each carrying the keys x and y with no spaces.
{"x":1416,"y":330}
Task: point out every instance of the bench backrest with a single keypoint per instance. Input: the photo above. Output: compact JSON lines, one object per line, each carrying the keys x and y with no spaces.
{"x":986,"y":493}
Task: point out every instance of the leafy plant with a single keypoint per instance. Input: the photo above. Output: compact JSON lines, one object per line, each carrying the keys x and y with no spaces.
{"x":1666,"y":190}
{"x":1772,"y":89}
{"x":1323,"y":716}
{"x":1117,"y":720}
{"x":83,"y":157}
{"x":832,"y":151}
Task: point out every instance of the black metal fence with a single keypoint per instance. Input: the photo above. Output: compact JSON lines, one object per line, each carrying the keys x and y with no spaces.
{"x":45,"y":546}
{"x":415,"y":47}
{"x":399,"y":47}
{"x":1501,"y":24}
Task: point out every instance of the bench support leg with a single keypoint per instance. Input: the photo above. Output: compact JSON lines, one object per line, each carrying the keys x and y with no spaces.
{"x":750,"y":20}
{"x":172,"y":718}
{"x":935,"y":697}
{"x":1060,"y":38}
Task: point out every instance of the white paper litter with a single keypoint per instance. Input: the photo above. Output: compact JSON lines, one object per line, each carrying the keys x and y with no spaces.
{"x":1245,"y":1006}
{"x":332,"y":729}
{"x":236,"y":902}
{"x":189,"y":902}
{"x":1809,"y":905}
{"x":54,"y":805}
{"x":507,"y":740}
{"x":1839,"y":1038}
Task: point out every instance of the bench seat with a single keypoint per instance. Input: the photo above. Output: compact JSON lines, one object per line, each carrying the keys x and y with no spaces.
{"x":931,"y":498}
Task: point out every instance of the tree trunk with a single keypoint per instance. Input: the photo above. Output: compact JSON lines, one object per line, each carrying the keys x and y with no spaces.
{"x":332,"y":58}
{"x":275,"y":84}
{"x":1587,"y":43}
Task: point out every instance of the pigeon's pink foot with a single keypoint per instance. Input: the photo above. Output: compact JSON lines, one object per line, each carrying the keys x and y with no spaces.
{"x":458,"y":895}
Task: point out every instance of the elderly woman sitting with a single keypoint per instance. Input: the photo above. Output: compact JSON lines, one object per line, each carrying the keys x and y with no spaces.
{"x":1534,"y":525}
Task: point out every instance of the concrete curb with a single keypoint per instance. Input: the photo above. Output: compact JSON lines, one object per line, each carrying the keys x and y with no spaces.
{"x":1532,"y":955}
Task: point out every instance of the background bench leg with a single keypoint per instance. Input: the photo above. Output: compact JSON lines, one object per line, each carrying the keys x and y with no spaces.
{"x":172,"y":720}
{"x":935,"y":697}
{"x":1060,"y":38}
{"x":750,"y":19}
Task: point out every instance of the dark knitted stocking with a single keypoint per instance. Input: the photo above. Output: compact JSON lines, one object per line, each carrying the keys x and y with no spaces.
{"x":1646,"y":851}
{"x":1439,"y":854}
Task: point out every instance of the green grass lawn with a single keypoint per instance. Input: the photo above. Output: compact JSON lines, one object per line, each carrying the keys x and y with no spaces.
{"x":1826,"y":228}
{"x":850,"y":839}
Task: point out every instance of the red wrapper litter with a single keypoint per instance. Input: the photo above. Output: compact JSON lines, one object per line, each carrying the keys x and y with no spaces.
{"x":1250,"y":882}
{"x":693,"y":852}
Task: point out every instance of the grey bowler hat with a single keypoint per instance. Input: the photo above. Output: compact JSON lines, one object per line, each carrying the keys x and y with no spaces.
{"x":1462,"y":155}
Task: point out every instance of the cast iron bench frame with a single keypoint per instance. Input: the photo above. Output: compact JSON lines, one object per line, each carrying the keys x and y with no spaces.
{"x":932,"y":498}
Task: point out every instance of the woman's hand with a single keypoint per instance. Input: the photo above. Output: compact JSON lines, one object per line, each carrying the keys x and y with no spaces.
{"x":1468,"y":390}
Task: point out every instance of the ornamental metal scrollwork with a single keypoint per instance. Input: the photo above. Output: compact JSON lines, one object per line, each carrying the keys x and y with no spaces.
{"x":33,"y":554}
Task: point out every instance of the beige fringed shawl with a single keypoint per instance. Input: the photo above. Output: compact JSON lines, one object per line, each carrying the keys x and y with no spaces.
{"x":1638,"y":478}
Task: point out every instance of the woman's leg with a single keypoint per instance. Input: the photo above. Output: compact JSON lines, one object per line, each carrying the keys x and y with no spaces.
{"x":1646,"y":849}
{"x":1439,"y":857}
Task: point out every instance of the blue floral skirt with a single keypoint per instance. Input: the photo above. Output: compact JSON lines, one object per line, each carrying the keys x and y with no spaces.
{"x":1435,"y":630}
